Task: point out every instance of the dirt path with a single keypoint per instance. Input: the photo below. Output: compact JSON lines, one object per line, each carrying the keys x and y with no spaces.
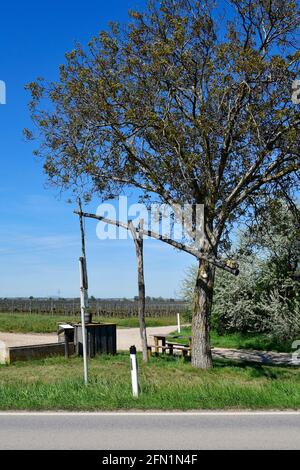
{"x":126,"y":337}
{"x":25,"y":339}
{"x":131,"y":336}
{"x":259,"y":357}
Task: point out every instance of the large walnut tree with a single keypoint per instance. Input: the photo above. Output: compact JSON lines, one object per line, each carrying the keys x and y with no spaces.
{"x":189,"y":103}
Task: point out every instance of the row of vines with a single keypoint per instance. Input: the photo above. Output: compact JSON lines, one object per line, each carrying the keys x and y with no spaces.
{"x":103,"y":308}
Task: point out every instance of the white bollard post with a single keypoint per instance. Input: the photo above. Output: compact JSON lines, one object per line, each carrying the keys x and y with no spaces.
{"x":134,"y":372}
{"x":178,"y":323}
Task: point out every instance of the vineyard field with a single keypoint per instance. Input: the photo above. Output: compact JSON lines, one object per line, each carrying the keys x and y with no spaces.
{"x":98,"y":307}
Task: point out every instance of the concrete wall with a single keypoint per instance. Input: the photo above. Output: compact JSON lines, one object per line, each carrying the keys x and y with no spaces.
{"x":39,"y":351}
{"x":3,"y":353}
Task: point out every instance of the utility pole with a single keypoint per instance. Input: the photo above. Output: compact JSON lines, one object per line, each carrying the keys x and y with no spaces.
{"x":83,"y":295}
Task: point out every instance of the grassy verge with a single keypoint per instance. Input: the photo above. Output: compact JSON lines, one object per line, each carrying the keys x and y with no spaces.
{"x":166,"y":383}
{"x":261,"y":342}
{"x":25,"y":323}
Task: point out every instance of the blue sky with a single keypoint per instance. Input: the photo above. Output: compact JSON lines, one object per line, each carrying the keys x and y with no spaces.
{"x":39,"y":235}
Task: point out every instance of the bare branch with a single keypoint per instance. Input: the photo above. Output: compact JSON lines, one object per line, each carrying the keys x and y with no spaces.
{"x":180,"y":246}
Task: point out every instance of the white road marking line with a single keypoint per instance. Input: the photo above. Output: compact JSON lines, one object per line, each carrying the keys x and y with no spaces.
{"x":152,"y":413}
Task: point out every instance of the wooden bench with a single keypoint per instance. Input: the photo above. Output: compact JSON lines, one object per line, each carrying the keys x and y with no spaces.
{"x":165,"y":342}
{"x":170,"y":347}
{"x":177,"y":346}
{"x":172,"y":343}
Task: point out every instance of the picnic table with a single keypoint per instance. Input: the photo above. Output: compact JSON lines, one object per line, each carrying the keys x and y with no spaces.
{"x":161,"y":343}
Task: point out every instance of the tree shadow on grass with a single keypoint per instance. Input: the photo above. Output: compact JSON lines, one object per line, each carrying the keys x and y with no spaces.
{"x":253,"y":369}
{"x":256,"y":370}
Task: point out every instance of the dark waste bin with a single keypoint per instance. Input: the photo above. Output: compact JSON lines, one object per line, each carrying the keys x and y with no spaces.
{"x":101,"y":338}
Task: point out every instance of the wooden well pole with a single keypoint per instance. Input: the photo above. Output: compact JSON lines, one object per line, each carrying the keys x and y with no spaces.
{"x":137,"y":236}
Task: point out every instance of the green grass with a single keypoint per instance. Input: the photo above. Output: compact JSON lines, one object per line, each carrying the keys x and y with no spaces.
{"x":260,"y":342}
{"x":167,"y":383}
{"x":25,"y":323}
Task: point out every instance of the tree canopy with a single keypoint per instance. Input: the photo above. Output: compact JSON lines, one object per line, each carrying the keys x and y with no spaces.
{"x":182,"y":104}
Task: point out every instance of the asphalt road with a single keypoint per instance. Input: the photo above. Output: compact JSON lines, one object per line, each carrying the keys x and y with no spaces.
{"x":111,"y":431}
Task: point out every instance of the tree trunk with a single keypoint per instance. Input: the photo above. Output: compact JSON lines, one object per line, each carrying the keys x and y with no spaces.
{"x":139,"y":242}
{"x":201,"y":348}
